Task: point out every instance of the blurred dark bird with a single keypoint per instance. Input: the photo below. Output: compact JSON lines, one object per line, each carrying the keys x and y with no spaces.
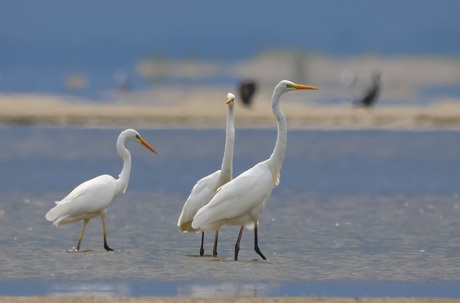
{"x":372,"y":93}
{"x":247,"y":89}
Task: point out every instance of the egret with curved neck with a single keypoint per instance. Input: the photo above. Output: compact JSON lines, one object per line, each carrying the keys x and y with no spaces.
{"x":91,"y":198}
{"x":205,"y":189}
{"x":242,"y":200}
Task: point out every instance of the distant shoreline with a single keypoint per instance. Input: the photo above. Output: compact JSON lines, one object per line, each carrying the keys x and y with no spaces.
{"x":201,"y":110}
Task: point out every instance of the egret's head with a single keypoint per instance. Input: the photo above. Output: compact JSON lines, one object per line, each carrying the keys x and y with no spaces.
{"x":135,"y":136}
{"x":230,"y":98}
{"x":286,"y":85}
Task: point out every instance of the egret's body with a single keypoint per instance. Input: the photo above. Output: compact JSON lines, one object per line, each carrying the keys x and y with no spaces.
{"x":205,"y":189}
{"x":91,"y":198}
{"x":242,"y":200}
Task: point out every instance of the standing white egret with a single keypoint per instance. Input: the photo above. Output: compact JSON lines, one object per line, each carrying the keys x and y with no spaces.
{"x":242,"y":200}
{"x":91,"y":198}
{"x":206,"y":188}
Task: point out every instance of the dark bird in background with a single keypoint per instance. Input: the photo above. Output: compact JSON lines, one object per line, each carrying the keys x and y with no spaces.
{"x":372,"y":93}
{"x":246,"y":90}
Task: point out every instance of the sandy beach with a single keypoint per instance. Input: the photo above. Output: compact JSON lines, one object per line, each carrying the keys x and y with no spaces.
{"x":402,"y":104}
{"x":207,"y":109}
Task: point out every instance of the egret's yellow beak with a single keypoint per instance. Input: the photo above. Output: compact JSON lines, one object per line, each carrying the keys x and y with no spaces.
{"x":301,"y":86}
{"x":229,"y":100}
{"x":147,"y":145}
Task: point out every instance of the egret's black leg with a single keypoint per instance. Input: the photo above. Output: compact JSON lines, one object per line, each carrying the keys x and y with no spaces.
{"x":256,"y":244}
{"x":214,"y":252}
{"x":104,"y":231}
{"x":85,"y":222}
{"x":237,"y":245}
{"x":202,"y":242}
{"x":106,"y":246}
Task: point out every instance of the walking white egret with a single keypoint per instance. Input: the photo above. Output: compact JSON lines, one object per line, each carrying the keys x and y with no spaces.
{"x":242,"y":200}
{"x":91,"y":198}
{"x":206,"y":188}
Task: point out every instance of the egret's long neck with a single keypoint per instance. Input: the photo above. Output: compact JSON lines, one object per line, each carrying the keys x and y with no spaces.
{"x":123,"y":177}
{"x":227,"y":162}
{"x":276,"y":159}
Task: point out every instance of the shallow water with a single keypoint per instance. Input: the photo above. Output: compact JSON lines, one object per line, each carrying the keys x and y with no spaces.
{"x":357,"y":213}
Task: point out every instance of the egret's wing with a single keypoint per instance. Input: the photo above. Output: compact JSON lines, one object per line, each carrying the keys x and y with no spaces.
{"x":238,"y":197}
{"x":90,"y":197}
{"x":204,"y":184}
{"x":201,"y":194}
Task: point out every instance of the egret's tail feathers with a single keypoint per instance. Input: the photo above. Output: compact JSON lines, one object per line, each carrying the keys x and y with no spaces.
{"x":51,"y":215}
{"x":208,"y":228}
{"x":199,"y":220}
{"x":201,"y":229}
{"x":186,"y":227}
{"x":202,"y":221}
{"x":57,"y":214}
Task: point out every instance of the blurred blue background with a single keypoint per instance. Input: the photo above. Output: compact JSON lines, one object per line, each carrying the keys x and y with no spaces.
{"x":43,"y":41}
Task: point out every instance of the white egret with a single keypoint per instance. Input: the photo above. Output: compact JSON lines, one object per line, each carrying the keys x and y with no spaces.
{"x":241,"y":201}
{"x":206,"y":188}
{"x":91,"y":198}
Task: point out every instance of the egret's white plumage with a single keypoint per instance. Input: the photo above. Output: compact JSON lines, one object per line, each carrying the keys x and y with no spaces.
{"x":91,"y":198}
{"x":205,"y":189}
{"x":241,"y":201}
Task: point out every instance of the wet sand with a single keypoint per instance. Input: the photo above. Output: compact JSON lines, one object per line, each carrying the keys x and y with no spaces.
{"x":209,"y":300}
{"x":207,"y":109}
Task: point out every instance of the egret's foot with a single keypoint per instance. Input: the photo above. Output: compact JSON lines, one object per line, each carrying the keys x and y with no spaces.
{"x":260,"y":253}
{"x":107,"y":248}
{"x":237,"y":250}
{"x":201,"y":252}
